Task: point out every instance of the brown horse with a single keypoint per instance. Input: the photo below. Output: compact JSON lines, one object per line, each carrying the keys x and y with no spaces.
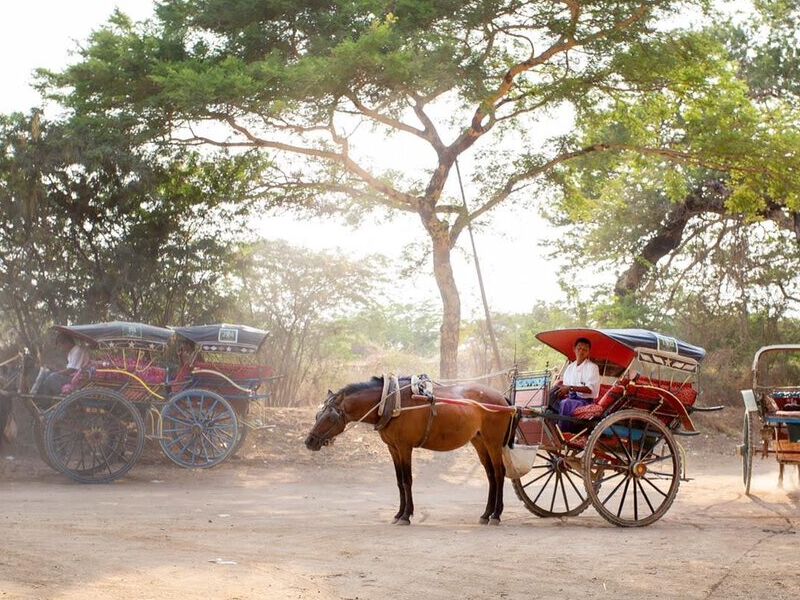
{"x":463,"y":413}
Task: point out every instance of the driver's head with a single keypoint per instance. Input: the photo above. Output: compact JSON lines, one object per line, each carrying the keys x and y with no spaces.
{"x":582,"y":348}
{"x":64,"y":341}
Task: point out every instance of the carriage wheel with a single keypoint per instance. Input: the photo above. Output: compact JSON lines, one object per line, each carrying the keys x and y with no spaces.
{"x":747,"y":448}
{"x":94,"y":435}
{"x":635,"y":456}
{"x":240,"y":437}
{"x":553,"y":486}
{"x":39,"y":440}
{"x":200,"y":429}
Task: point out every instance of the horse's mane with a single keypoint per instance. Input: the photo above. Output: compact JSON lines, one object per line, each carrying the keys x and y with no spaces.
{"x":376,"y":381}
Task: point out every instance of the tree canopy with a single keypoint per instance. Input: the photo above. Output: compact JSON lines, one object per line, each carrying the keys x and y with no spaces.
{"x":724,"y":226}
{"x":316,"y":87}
{"x":95,"y":229}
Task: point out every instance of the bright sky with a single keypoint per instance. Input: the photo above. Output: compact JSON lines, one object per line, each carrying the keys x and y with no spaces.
{"x":44,"y":33}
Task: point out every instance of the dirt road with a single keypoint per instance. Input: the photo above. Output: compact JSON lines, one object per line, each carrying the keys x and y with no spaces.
{"x":286,"y":523}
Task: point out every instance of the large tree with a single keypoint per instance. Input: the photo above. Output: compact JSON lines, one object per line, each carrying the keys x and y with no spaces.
{"x":312,"y":83}
{"x":725,"y":227}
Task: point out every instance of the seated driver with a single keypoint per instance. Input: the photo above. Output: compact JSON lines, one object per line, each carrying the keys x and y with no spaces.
{"x":49,"y":383}
{"x":580,"y":384}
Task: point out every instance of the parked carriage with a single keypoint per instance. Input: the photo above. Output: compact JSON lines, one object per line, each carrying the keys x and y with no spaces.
{"x":772,"y":410}
{"x":621,"y":455}
{"x":94,"y":431}
{"x":223,"y":368}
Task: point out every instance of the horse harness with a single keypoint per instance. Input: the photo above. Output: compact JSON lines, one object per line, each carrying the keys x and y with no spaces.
{"x":390,"y":405}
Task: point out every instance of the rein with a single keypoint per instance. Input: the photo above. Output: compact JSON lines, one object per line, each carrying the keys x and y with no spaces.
{"x":10,"y":360}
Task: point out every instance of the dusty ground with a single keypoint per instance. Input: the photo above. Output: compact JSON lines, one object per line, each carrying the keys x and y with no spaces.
{"x":286,"y":523}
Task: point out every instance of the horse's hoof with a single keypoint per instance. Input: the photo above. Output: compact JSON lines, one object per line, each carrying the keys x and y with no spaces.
{"x":402,"y":521}
{"x":483,"y":521}
{"x":494,"y":521}
{"x":395,"y":520}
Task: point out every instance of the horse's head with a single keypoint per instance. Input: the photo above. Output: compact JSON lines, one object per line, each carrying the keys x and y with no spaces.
{"x":330,"y":422}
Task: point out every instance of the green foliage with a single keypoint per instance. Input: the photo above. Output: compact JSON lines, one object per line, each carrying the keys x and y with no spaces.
{"x":305,"y":300}
{"x":92,"y":236}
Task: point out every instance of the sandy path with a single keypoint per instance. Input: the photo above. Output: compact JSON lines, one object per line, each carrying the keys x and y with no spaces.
{"x":317,"y":526}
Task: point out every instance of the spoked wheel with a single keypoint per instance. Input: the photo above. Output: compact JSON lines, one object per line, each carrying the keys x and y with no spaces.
{"x":200,"y":429}
{"x":94,"y":436}
{"x":747,"y":449}
{"x":636,"y":459}
{"x":553,"y":487}
{"x":240,"y":437}
{"x":41,"y":444}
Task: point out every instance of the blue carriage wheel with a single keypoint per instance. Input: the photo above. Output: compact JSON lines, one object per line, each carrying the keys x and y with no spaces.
{"x":636,"y":459}
{"x":199,"y":429}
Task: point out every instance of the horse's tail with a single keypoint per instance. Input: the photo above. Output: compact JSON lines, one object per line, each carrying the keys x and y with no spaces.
{"x":8,"y":427}
{"x":512,"y":428}
{"x":9,"y":376}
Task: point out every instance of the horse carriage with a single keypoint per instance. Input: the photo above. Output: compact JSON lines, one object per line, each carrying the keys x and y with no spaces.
{"x":94,"y":430}
{"x":221,"y":366}
{"x":772,"y":410}
{"x":619,"y":453}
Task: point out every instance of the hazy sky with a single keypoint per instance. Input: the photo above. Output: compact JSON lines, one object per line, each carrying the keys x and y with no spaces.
{"x":44,"y":33}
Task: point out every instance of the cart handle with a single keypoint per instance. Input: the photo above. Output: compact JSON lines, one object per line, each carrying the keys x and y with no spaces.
{"x":705,"y":408}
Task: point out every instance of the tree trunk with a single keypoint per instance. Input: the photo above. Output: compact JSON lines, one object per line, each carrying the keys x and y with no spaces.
{"x":451,"y":307}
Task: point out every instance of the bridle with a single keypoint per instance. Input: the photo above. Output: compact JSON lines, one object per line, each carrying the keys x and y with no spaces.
{"x":331,"y":404}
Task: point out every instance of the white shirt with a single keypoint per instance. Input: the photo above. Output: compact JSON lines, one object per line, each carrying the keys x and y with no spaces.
{"x":585,"y":374}
{"x":77,"y":358}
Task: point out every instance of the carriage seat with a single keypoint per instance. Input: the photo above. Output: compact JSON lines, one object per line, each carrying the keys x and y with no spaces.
{"x":637,"y":388}
{"x":249,"y":376}
{"x":603,"y":403}
{"x":784,"y":399}
{"x":151,"y":374}
{"x":236,"y":372}
{"x":685,"y":393}
{"x":94,"y":373}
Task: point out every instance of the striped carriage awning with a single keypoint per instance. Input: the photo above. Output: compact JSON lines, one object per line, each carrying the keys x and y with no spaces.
{"x":119,"y":334}
{"x":222,"y":337}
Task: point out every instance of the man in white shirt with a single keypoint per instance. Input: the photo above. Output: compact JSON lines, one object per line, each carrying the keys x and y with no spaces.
{"x":580,"y":384}
{"x":77,"y":358}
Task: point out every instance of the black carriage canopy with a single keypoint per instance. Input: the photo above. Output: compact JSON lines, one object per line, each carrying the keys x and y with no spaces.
{"x":223,"y":337}
{"x":617,"y":345}
{"x":120,"y":334}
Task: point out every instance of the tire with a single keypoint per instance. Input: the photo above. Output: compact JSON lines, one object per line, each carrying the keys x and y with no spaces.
{"x":41,"y":445}
{"x":200,"y":429}
{"x":638,"y":449}
{"x":241,"y":436}
{"x":749,"y":428}
{"x":94,"y":435}
{"x":553,"y":487}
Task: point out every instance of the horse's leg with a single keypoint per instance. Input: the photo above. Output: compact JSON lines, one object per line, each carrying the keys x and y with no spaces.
{"x":483,"y":455}
{"x":405,"y":464}
{"x":496,"y":454}
{"x":398,"y":472}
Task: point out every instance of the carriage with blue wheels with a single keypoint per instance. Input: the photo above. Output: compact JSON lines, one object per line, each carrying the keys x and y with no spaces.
{"x":93,"y":428}
{"x":772,"y":411}
{"x":223,"y":370}
{"x":618,"y":453}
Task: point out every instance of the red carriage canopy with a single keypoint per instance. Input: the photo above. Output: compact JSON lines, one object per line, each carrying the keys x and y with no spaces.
{"x":617,"y":345}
